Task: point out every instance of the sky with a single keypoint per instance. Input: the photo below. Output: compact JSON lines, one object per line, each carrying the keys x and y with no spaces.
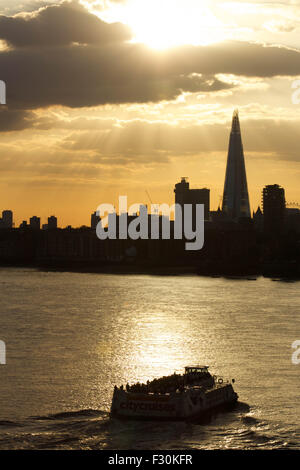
{"x":108,"y":98}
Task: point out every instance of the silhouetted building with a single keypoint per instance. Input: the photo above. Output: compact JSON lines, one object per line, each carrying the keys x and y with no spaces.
{"x":185,"y":195}
{"x":7,"y":219}
{"x":258,"y":220}
{"x":273,"y":209}
{"x":217,"y":216}
{"x":52,"y":223}
{"x":95,"y":218}
{"x":35,"y":223}
{"x":24,"y":224}
{"x":293,"y":219}
{"x":235,"y":197}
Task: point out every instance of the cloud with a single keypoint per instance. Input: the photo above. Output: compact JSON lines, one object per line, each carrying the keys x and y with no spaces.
{"x":15,"y":120}
{"x":139,"y":141}
{"x":59,"y":25}
{"x":87,"y":76}
{"x":82,"y":76}
{"x":141,"y":148}
{"x":64,"y":55}
{"x":12,"y":7}
{"x":280,"y":26}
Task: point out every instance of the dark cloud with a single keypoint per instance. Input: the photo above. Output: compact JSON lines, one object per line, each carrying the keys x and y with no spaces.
{"x":60,"y":25}
{"x":88,"y":76}
{"x":15,"y":120}
{"x":235,"y":57}
{"x":129,"y":73}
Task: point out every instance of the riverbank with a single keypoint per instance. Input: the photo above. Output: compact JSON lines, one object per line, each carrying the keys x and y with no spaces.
{"x":126,"y":269}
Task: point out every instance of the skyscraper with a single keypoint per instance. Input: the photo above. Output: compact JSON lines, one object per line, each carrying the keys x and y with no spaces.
{"x":35,"y":222}
{"x":52,"y":222}
{"x":7,"y":219}
{"x":274,"y":208}
{"x":185,"y":195}
{"x":235,"y":196}
{"x":95,"y":218}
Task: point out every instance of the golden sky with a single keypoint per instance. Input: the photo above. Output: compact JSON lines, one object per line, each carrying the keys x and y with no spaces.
{"x":109,"y":98}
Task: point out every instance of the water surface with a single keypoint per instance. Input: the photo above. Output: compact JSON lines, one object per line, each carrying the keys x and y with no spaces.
{"x":71,"y":336}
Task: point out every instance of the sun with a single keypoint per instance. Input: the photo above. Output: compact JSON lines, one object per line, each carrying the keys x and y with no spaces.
{"x":166,"y":23}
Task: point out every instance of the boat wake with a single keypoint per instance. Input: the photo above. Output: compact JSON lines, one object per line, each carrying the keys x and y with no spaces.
{"x":94,"y":430}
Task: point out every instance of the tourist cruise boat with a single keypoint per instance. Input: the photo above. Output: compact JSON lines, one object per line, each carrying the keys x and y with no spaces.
{"x":192,"y":395}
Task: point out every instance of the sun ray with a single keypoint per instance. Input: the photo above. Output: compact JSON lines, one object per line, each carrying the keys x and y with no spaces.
{"x":166,"y":23}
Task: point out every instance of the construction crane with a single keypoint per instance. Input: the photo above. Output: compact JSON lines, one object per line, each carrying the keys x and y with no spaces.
{"x":154,"y":206}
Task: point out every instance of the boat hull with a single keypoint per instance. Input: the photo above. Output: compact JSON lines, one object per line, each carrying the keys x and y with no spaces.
{"x":200,"y":417}
{"x":193,"y":404}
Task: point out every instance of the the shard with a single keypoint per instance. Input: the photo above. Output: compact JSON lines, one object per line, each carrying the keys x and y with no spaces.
{"x":235,"y":196}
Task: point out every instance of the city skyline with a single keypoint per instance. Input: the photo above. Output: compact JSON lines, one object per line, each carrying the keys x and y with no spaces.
{"x":193,"y":196}
{"x":234,"y":203}
{"x":216,"y":201}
